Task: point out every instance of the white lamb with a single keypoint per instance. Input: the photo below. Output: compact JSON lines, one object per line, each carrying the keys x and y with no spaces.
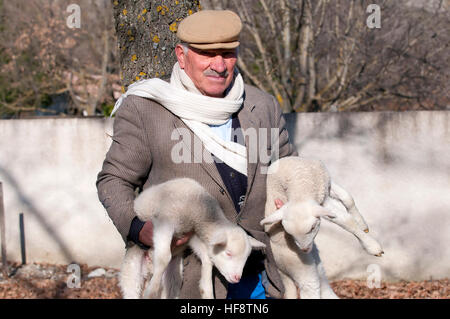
{"x":305,"y":188}
{"x":177,"y":207}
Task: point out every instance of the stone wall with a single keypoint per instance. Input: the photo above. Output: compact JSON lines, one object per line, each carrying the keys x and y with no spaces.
{"x":396,"y":165}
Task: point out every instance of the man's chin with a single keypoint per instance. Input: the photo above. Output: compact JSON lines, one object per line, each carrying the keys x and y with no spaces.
{"x":215,"y":92}
{"x":215,"y":86}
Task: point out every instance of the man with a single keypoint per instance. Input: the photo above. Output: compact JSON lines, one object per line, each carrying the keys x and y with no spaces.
{"x":206,"y":103}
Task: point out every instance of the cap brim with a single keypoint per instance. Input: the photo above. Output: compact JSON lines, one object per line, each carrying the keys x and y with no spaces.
{"x":222,"y":45}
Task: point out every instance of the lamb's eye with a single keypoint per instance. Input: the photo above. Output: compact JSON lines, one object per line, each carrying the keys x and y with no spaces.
{"x":228,"y":253}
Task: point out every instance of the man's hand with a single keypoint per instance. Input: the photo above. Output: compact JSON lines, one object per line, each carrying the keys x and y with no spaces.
{"x":181,"y":241}
{"x":278,"y":203}
{"x":146,"y":236}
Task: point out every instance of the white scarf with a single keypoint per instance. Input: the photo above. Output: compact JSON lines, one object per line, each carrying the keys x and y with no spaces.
{"x":182,"y":98}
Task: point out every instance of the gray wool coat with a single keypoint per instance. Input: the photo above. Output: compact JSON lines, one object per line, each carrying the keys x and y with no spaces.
{"x":145,"y":135}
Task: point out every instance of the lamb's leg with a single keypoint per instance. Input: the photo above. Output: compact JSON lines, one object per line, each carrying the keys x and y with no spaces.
{"x":173,"y":279}
{"x":326,"y":292}
{"x":310,"y":287}
{"x":162,"y":238}
{"x":347,"y":222}
{"x":147,"y":268}
{"x":131,"y":274}
{"x":306,"y":276}
{"x":337,"y":192}
{"x":290,"y":289}
{"x":205,"y":284}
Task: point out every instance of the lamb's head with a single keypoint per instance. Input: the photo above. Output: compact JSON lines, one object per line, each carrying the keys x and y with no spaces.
{"x":229,"y":251}
{"x":301,"y":220}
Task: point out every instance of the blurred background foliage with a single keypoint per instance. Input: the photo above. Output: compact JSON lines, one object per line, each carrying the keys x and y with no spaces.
{"x":311,"y":55}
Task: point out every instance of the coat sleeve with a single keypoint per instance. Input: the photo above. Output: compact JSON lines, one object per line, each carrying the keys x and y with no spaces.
{"x":125,"y":168}
{"x":286,"y":148}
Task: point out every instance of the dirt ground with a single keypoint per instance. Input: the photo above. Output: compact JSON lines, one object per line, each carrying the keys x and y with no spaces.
{"x":45,"y":281}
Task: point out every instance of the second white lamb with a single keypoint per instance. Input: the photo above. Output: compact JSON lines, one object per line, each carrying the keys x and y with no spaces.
{"x":305,"y":188}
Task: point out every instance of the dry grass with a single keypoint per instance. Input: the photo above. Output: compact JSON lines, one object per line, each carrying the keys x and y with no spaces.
{"x":50,"y":282}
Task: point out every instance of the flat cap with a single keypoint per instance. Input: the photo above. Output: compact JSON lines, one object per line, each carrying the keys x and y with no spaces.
{"x":211,"y":29}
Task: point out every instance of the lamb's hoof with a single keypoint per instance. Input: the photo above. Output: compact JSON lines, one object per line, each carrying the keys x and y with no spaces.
{"x":380,"y":254}
{"x":366,"y":230}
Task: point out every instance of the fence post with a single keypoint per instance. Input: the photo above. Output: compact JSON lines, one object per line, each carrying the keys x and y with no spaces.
{"x":22,"y":239}
{"x":3,"y":235}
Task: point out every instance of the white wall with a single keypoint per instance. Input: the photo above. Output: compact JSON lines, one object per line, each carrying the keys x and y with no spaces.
{"x":48,"y":168}
{"x":396,"y":165}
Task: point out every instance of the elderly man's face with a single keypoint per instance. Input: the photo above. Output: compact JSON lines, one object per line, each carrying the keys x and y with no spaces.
{"x":210,"y":70}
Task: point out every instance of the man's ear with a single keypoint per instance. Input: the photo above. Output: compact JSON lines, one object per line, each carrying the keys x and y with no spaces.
{"x":181,"y":57}
{"x":274,"y":217}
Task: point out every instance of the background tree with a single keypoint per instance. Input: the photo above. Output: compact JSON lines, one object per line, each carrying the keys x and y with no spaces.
{"x":43,"y":59}
{"x":321,"y":55}
{"x":312,"y":55}
{"x":146,"y":33}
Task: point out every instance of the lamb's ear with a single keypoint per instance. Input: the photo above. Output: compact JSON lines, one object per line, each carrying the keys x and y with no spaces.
{"x":276,"y":216}
{"x":219,"y":238}
{"x":320,"y":211}
{"x":256,"y":243}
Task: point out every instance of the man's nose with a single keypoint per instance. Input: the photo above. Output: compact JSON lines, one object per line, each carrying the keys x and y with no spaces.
{"x":218,"y":64}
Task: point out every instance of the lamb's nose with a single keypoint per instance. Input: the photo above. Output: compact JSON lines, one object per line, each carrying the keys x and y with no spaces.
{"x":236,"y":278}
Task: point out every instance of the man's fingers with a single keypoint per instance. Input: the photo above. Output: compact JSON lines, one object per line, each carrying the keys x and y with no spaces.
{"x":183,"y":240}
{"x":146,"y":234}
{"x":278,"y":203}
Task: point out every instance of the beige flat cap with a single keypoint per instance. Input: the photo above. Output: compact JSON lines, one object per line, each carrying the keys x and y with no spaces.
{"x":211,"y":29}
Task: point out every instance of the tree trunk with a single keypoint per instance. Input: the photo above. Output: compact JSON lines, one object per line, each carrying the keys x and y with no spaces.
{"x":146,"y":35}
{"x":306,"y":38}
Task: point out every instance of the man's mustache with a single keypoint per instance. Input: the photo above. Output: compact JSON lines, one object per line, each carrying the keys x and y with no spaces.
{"x":210,"y":72}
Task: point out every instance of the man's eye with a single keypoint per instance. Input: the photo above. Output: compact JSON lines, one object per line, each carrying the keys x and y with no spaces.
{"x":207,"y":53}
{"x":228,"y":54}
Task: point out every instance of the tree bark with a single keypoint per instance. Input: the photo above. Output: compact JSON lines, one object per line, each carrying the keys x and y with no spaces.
{"x":146,"y":35}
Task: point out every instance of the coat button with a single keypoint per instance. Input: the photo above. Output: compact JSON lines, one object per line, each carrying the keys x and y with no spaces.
{"x":232,"y":174}
{"x":222,"y":191}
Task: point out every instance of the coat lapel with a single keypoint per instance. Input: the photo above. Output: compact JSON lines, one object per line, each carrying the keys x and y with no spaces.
{"x":248,"y":120}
